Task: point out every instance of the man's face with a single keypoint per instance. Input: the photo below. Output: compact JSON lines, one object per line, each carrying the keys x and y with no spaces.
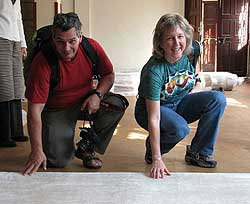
{"x":67,"y":43}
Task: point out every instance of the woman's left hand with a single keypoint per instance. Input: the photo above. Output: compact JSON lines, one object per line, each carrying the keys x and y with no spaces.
{"x":159,"y":169}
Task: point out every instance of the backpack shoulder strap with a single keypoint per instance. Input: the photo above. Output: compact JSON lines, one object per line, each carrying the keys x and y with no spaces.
{"x":52,"y":58}
{"x":92,"y":56}
{"x":196,"y":52}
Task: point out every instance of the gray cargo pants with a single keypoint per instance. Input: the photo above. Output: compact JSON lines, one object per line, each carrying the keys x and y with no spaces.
{"x":59,"y":129}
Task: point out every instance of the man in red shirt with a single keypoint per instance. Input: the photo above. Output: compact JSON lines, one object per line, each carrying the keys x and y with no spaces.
{"x":52,"y":116}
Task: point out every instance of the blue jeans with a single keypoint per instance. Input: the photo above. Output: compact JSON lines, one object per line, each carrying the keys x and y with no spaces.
{"x":207,"y":107}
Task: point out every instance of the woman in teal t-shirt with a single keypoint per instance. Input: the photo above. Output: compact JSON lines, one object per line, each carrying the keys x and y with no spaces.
{"x":170,"y":98}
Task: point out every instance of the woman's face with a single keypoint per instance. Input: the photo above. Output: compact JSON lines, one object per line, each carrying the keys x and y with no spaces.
{"x":174,"y":44}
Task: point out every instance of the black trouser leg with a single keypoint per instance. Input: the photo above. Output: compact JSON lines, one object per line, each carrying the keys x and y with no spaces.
{"x":16,"y":121}
{"x":5,"y":127}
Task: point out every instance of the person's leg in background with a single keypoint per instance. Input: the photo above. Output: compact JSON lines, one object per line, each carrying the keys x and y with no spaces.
{"x":5,"y":127}
{"x":16,"y":106}
{"x":11,"y":92}
{"x":17,"y":133}
{"x":6,"y":91}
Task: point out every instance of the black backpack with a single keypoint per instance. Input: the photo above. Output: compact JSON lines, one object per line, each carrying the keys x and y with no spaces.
{"x":40,"y":42}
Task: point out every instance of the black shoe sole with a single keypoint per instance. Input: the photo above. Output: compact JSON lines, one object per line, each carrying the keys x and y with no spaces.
{"x":20,"y":138}
{"x":8,"y":144}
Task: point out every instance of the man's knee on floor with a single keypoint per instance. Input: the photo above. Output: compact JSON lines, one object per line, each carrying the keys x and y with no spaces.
{"x":58,"y":162}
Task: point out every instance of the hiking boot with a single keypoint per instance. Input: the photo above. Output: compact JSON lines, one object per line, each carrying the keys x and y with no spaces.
{"x":148,"y":154}
{"x":89,"y":159}
{"x":85,"y":151}
{"x":197,"y":159}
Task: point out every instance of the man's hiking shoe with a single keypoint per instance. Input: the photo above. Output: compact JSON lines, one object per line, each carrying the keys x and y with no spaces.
{"x":89,"y":159}
{"x":197,"y":159}
{"x":85,"y":151}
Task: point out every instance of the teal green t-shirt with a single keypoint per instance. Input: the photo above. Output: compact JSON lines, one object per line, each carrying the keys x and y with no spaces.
{"x":166,"y":82}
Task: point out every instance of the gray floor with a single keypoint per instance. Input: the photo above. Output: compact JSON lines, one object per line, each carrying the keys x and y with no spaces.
{"x":124,"y":188}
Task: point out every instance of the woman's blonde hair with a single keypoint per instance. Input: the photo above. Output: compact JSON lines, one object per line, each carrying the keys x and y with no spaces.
{"x":169,"y":21}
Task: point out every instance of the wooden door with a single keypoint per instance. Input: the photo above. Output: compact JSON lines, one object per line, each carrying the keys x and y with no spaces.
{"x":193,"y":15}
{"x":29,"y":18}
{"x":232,"y":36}
{"x":210,"y":15}
{"x":210,"y":12}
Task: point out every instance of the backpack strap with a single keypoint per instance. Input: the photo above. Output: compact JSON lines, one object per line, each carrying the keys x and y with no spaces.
{"x":87,"y":47}
{"x":196,"y":52}
{"x":53,"y":61}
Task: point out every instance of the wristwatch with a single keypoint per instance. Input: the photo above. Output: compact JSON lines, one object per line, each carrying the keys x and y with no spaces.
{"x":100,"y":95}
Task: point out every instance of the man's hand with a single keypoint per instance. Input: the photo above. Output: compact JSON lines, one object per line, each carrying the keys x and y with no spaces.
{"x":36,"y":159}
{"x":92,"y":103}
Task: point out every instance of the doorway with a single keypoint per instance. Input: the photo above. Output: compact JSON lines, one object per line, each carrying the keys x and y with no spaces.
{"x":223,"y":29}
{"x":209,"y":36}
{"x":233,"y":36}
{"x":28,"y":8}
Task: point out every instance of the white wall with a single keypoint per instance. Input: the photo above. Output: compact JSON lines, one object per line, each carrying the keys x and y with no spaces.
{"x":81,"y":7}
{"x":45,"y":12}
{"x":68,"y":6}
{"x":123,"y":27}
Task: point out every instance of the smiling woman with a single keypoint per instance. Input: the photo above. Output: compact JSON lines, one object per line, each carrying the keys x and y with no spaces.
{"x":170,"y":98}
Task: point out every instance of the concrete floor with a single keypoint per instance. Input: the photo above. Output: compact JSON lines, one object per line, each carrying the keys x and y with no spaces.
{"x":124,"y":188}
{"x":126,"y":150}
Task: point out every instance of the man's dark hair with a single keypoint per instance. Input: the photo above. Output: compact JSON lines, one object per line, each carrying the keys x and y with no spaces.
{"x":66,"y":21}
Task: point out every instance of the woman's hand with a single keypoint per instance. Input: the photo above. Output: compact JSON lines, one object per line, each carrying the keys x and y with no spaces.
{"x":159,"y":169}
